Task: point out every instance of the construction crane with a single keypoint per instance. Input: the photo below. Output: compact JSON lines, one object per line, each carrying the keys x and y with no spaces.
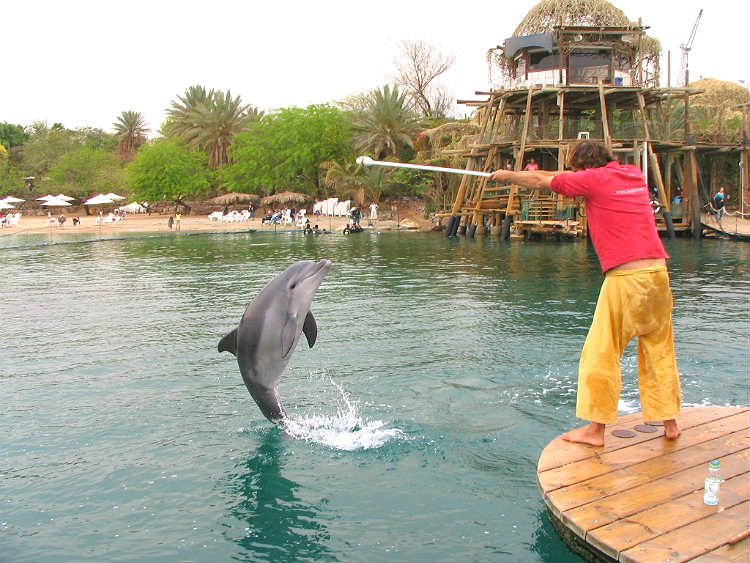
{"x":684,"y":76}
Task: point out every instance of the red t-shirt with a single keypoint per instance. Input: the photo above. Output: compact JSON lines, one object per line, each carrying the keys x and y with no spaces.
{"x":621,"y":222}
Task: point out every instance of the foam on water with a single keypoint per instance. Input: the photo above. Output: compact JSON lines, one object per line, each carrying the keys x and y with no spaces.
{"x":345,"y":431}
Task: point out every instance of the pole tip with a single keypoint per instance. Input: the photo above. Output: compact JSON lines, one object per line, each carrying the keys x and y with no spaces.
{"x":364,"y":161}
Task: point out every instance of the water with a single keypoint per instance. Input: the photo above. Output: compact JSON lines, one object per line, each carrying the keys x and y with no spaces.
{"x":441,"y":371}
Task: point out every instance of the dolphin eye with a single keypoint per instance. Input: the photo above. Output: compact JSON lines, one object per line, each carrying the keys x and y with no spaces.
{"x":293,"y":286}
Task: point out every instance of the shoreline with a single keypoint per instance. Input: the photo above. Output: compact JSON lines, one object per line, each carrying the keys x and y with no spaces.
{"x":157,"y":223}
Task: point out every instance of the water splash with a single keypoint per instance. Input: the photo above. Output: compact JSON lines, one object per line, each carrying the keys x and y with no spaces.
{"x":345,"y":431}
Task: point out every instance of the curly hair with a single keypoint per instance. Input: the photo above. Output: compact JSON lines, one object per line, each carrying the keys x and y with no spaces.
{"x":588,"y":154}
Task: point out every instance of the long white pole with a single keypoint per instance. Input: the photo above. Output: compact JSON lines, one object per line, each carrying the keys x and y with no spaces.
{"x":367,"y":161}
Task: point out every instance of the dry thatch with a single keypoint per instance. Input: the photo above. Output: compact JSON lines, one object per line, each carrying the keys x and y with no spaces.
{"x":448,"y":134}
{"x":718,"y":93}
{"x":283,"y":198}
{"x":233,"y":197}
{"x":715,"y":115}
{"x":595,"y":13}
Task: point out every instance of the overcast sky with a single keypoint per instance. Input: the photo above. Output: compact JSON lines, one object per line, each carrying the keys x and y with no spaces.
{"x":82,"y":63}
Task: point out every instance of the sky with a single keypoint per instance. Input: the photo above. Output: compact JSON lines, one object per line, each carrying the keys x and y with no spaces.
{"x":82,"y":63}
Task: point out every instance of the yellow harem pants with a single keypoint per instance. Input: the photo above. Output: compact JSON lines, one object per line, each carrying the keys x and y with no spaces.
{"x":632,"y":303}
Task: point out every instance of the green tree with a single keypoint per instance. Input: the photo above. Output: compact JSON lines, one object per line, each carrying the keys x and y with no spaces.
{"x":285,"y":151}
{"x":96,"y":138}
{"x":208,"y":121}
{"x":386,"y":125}
{"x":12,"y":135}
{"x":168,"y":170}
{"x":130,"y":130}
{"x":347,"y":180}
{"x":44,"y":147}
{"x":85,"y":170}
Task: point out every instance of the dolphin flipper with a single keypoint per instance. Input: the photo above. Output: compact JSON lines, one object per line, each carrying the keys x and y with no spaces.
{"x":310,"y":328}
{"x":229,"y":343}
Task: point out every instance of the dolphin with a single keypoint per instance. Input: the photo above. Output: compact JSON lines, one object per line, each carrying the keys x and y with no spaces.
{"x":268,"y":332}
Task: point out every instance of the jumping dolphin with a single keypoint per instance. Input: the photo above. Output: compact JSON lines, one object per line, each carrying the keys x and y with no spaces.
{"x":270,"y":328}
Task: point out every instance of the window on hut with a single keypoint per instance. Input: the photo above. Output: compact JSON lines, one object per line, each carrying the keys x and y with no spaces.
{"x":588,"y":66}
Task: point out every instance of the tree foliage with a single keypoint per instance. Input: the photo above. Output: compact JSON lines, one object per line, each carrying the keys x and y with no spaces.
{"x":12,"y":135}
{"x":81,"y":172}
{"x":45,"y":146}
{"x":284,"y":151}
{"x":168,"y":170}
{"x":418,"y":67}
{"x":208,"y":120}
{"x":130,"y":130}
{"x":386,"y":124}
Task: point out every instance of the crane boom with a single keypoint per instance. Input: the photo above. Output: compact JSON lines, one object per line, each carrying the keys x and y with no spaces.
{"x":685,"y":47}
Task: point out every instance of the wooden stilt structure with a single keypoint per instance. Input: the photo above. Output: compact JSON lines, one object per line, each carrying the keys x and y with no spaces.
{"x":545,"y":121}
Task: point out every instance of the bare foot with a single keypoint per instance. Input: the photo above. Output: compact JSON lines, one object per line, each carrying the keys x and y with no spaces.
{"x":593,"y":435}
{"x":671,"y":430}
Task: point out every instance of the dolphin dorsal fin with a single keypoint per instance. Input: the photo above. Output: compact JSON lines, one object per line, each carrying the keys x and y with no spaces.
{"x":229,"y":343}
{"x":310,"y":328}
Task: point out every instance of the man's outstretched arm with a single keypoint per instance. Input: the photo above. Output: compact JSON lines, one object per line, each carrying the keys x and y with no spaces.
{"x":537,"y":179}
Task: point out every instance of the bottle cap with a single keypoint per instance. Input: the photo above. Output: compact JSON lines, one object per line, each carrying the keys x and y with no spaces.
{"x":714,"y":464}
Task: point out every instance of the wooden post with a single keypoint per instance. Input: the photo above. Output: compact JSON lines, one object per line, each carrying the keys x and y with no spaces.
{"x":691,"y":184}
{"x":470,"y":163}
{"x":745,"y":179}
{"x":605,"y":121}
{"x":521,"y":152}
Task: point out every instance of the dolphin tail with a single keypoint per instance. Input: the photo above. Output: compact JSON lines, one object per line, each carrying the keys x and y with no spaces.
{"x":229,"y":343}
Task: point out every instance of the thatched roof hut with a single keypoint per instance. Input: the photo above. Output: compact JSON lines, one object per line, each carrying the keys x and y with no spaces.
{"x":233,"y":197}
{"x":548,"y":14}
{"x":284,"y":198}
{"x":715,"y":113}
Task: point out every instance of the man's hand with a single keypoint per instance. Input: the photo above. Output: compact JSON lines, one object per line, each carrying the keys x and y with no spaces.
{"x":500,"y":176}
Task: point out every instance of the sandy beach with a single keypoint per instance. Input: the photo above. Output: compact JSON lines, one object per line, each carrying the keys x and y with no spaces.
{"x":155,"y":223}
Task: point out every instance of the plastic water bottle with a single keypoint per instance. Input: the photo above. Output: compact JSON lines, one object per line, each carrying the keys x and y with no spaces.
{"x":713,"y":479}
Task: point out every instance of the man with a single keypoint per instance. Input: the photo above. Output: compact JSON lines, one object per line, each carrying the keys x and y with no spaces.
{"x":635,"y":298}
{"x":719,"y":201}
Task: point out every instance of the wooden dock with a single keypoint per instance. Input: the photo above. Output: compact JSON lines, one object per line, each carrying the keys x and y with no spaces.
{"x":733,"y":226}
{"x":640,"y":498}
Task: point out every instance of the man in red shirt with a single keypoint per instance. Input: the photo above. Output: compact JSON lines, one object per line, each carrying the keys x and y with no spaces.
{"x":635,"y":298}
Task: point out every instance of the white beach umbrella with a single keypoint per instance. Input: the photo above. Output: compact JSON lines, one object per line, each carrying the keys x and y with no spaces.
{"x":64,"y":197}
{"x":11,"y":199}
{"x":5,"y":205}
{"x":45,"y":198}
{"x":114,"y":197}
{"x":55,"y":202}
{"x":98,"y":200}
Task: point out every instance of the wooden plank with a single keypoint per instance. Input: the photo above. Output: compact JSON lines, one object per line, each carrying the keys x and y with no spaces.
{"x":631,"y":531}
{"x":583,"y":470}
{"x":650,"y":493}
{"x":559,"y":452}
{"x":691,"y":541}
{"x":738,"y":552}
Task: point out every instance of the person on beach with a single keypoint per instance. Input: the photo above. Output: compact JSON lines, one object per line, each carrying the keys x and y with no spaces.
{"x":177,"y":219}
{"x":635,"y":298}
{"x":170,"y":222}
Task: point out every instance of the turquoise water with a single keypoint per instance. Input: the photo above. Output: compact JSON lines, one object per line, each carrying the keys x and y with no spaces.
{"x":441,"y":371}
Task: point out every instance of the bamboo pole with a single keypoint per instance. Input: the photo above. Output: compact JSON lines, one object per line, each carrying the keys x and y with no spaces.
{"x":605,"y":121}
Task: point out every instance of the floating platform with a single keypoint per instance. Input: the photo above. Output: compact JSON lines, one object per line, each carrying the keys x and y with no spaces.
{"x":640,"y":498}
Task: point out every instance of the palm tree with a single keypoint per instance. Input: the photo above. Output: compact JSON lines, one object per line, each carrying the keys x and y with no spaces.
{"x":130,"y":129}
{"x":386,"y":123}
{"x":347,"y":180}
{"x":208,"y":119}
